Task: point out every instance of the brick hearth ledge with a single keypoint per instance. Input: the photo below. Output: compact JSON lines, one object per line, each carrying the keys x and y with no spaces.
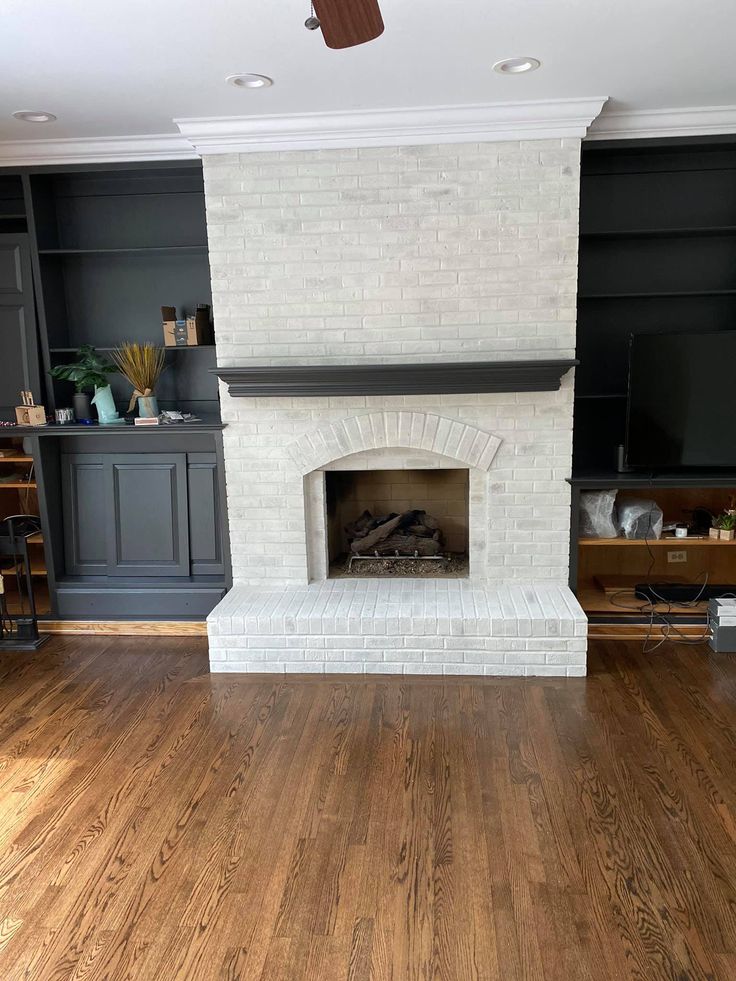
{"x":409,"y":626}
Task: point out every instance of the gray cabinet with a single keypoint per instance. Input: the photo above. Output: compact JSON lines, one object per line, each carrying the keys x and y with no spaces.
{"x":205,"y":524}
{"x":142,"y":515}
{"x":85,"y":517}
{"x":148,"y":524}
{"x":19,"y":361}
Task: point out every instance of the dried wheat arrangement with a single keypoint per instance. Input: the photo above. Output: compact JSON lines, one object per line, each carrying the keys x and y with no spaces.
{"x":142,"y":365}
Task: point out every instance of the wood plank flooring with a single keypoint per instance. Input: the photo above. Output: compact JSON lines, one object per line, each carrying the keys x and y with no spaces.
{"x":159,"y":823}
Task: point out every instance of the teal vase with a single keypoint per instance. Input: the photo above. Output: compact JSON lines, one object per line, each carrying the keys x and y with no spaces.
{"x":147,"y":406}
{"x":106,"y":411}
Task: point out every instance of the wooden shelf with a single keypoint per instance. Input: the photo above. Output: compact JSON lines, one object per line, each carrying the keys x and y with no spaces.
{"x":685,"y":232}
{"x":594,"y":600}
{"x":41,"y":595}
{"x":16,"y":459}
{"x":20,"y":485}
{"x":432,"y":378}
{"x":36,"y":539}
{"x":654,"y":542}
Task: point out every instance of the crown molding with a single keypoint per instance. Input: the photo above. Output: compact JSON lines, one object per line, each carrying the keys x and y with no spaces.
{"x":643,"y":123}
{"x":392,"y":127}
{"x":100,"y":149}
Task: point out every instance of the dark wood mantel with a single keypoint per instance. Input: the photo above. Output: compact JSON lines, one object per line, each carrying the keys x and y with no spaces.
{"x":449,"y":378}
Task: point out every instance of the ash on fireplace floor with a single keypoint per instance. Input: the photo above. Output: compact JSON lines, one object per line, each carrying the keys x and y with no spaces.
{"x":456,"y":567}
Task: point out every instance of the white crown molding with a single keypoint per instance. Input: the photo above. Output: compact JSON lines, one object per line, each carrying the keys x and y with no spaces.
{"x":392,"y":127}
{"x":100,"y":149}
{"x":643,"y":123}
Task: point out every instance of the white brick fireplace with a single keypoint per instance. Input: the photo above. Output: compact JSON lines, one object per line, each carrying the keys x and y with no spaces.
{"x":438,"y":253}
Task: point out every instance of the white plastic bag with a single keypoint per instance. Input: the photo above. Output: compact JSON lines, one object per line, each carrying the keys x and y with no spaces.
{"x":598,"y":514}
{"x":640,"y":519}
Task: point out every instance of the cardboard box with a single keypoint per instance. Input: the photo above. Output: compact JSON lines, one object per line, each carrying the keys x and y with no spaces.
{"x":30,"y":415}
{"x":190,"y":332}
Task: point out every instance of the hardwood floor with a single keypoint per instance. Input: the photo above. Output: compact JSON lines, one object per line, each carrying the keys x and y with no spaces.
{"x":159,"y":823}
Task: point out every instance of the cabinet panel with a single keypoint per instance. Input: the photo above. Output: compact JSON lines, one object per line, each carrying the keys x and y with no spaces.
{"x":148,"y":530}
{"x":205,"y":526}
{"x":19,"y":362}
{"x":85,"y":514}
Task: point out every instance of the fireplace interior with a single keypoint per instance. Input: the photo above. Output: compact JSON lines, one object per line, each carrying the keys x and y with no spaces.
{"x":416,"y":520}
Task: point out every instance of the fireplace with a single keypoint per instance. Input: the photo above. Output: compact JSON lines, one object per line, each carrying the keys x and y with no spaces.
{"x":395,"y":333}
{"x":397,"y":522}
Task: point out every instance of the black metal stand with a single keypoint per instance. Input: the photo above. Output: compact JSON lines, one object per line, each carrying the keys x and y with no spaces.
{"x":23,"y":634}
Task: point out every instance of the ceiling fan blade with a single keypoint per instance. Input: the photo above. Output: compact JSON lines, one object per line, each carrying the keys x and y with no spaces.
{"x":346,"y":23}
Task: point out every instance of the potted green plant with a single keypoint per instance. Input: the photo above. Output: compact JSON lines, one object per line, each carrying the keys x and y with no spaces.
{"x":89,"y":371}
{"x":727,"y":526}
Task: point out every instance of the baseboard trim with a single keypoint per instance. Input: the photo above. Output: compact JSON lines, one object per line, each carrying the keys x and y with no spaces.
{"x":126,"y":628}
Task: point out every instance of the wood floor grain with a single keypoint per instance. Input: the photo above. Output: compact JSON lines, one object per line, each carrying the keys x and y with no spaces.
{"x":159,"y":824}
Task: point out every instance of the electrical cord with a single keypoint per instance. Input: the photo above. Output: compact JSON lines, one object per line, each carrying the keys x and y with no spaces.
{"x":649,"y":607}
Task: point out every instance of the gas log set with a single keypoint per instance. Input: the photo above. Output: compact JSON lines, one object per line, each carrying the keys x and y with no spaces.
{"x":412,"y":533}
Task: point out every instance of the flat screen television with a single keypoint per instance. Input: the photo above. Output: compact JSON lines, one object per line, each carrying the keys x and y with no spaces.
{"x":682,"y":400}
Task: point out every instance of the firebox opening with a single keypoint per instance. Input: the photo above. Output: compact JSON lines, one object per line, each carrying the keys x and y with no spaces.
{"x":397,"y":523}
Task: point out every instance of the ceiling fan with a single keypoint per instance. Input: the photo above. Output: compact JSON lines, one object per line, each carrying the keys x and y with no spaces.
{"x":345,"y":23}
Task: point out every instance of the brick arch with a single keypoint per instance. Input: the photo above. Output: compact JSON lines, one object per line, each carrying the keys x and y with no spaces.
{"x":380,"y":430}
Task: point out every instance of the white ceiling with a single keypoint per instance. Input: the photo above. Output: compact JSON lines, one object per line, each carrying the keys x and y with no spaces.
{"x":118,"y":67}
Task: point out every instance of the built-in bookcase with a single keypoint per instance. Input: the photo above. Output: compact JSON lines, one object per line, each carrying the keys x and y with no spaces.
{"x":12,"y":204}
{"x":657,"y":253}
{"x":111,"y":247}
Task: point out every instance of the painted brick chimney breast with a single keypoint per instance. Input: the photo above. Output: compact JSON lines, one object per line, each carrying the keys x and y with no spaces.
{"x":400,"y":254}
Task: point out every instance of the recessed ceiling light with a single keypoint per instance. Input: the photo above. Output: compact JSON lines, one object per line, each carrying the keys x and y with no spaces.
{"x":34,"y":116}
{"x":516,"y":66}
{"x":249,"y":81}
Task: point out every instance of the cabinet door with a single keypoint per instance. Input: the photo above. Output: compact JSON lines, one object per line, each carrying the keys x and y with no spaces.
{"x":148,"y":527}
{"x":205,"y":525}
{"x":19,"y":361}
{"x":84,"y":496}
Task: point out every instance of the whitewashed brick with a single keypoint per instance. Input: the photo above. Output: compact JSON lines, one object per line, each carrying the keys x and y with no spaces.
{"x":432,"y":253}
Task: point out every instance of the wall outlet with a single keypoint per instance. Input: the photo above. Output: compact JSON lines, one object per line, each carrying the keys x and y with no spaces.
{"x":677,"y":556}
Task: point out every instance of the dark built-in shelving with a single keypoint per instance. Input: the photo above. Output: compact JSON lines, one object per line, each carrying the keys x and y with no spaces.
{"x":146,"y":250}
{"x":657,"y":254}
{"x":661,"y":232}
{"x":111,"y":246}
{"x":101,"y":249}
{"x":178,"y":349}
{"x":654,"y":296}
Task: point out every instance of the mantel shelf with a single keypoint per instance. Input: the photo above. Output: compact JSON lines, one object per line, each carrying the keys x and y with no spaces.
{"x":449,"y":378}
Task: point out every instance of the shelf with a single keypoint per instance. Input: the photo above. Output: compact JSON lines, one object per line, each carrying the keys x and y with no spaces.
{"x":17,"y":217}
{"x":650,"y":296}
{"x":614,"y":395}
{"x":430,"y":378}
{"x":183,"y":347}
{"x":36,"y":539}
{"x":594,"y":600}
{"x":653,"y":542}
{"x":143,"y":250}
{"x":686,"y":232}
{"x":16,"y":459}
{"x":19,"y":485}
{"x":38,"y":568}
{"x":600,"y":479}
